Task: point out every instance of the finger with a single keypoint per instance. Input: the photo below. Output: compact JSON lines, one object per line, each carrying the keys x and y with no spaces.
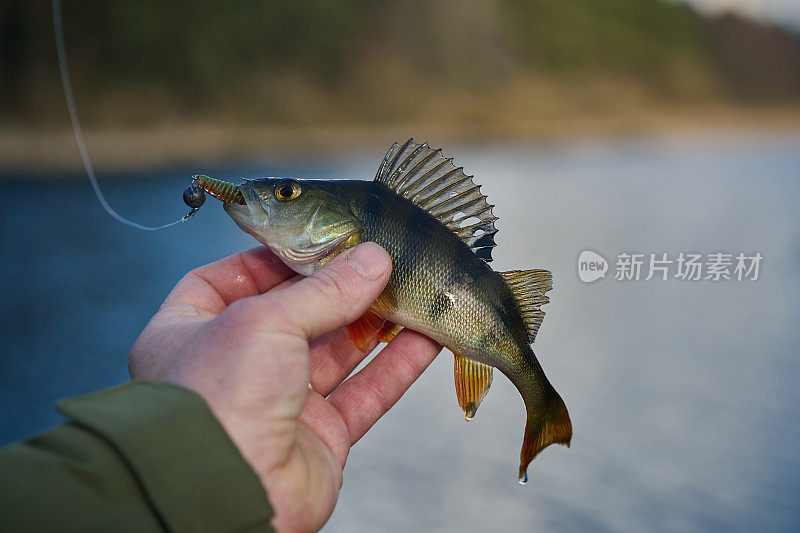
{"x":288,"y":282}
{"x":215,"y":286}
{"x":335,"y":295}
{"x":367,"y":396}
{"x":333,"y":357}
{"x":321,"y":417}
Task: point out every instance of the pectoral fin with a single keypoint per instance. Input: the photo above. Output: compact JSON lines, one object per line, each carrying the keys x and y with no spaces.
{"x":364,"y":330}
{"x":473,"y":380}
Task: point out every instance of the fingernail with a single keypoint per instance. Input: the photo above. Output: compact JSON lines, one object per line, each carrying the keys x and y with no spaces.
{"x":368,"y":259}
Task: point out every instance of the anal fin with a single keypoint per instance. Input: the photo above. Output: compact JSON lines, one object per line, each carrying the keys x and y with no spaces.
{"x":473,"y":380}
{"x":364,"y":330}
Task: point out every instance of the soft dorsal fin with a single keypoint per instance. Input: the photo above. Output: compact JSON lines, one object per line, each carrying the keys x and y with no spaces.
{"x":528,"y":287}
{"x":425,"y":177}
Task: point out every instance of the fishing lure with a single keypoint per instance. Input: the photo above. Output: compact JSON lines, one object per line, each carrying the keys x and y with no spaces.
{"x":439,"y":231}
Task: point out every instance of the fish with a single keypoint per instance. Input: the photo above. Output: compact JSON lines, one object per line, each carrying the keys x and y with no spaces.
{"x":439,"y":230}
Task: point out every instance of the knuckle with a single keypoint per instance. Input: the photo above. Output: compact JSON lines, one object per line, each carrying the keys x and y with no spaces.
{"x":374,"y":395}
{"x":332,"y":284}
{"x":336,"y":293}
{"x":195,"y":273}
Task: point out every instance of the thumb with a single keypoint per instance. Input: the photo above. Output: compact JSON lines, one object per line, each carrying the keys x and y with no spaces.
{"x":337,"y":294}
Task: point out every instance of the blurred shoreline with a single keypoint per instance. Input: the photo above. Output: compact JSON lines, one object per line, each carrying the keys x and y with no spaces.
{"x":276,"y":80}
{"x":122,"y":150}
{"x":26,"y":151}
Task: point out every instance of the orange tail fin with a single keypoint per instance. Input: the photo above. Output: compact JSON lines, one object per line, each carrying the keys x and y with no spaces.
{"x":550,"y":425}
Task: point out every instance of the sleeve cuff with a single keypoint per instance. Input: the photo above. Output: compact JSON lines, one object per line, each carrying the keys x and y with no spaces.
{"x":189,"y":469}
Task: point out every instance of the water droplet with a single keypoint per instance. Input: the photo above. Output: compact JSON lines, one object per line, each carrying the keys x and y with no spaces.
{"x":469,"y":412}
{"x":523,"y":479}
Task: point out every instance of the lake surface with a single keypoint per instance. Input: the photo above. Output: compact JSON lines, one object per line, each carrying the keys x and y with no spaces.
{"x":683,"y":395}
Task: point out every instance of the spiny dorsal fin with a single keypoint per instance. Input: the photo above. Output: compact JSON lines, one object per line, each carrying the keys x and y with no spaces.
{"x":425,"y":177}
{"x":529,"y":287}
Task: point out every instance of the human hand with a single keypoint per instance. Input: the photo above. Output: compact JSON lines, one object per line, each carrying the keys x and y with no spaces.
{"x":249,"y":336}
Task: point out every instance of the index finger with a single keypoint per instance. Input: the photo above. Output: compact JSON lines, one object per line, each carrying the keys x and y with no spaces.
{"x":215,"y":286}
{"x":365,"y":397}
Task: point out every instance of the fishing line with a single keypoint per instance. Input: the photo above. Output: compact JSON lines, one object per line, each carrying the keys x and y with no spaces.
{"x":76,"y":128}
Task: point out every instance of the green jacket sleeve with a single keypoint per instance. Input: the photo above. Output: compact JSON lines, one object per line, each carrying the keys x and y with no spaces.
{"x":143,"y":456}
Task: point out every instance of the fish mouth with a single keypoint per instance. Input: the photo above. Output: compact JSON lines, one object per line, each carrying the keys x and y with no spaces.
{"x":311,"y":253}
{"x":253,"y":200}
{"x":245,"y":214}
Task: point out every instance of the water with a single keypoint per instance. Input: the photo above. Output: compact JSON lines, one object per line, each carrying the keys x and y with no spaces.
{"x":683,"y":395}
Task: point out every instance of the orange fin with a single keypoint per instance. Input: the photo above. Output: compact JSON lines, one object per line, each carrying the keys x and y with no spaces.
{"x":550,"y":425}
{"x":473,"y":380}
{"x":364,"y":330}
{"x":389,"y":331}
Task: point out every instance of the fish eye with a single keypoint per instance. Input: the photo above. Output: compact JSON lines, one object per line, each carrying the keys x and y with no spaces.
{"x":287,"y":190}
